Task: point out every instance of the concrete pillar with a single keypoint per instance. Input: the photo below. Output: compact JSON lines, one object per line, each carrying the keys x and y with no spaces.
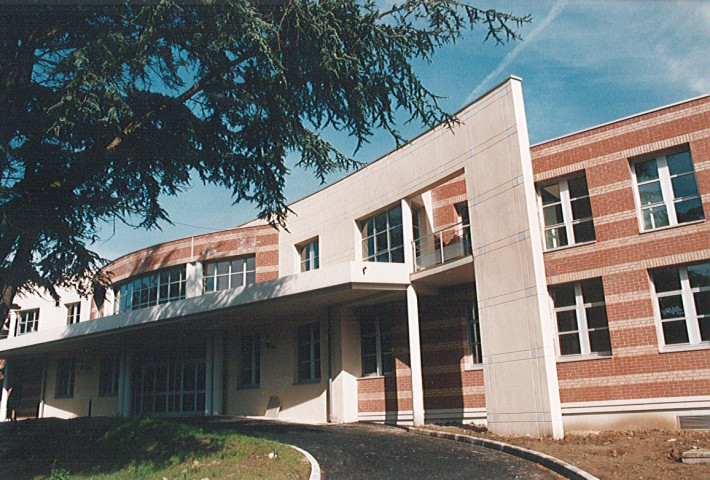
{"x":415,"y":356}
{"x":209,"y":359}
{"x":193,"y":279}
{"x":5,"y":392}
{"x":346,"y":366}
{"x":121,"y":383}
{"x":127,"y":385}
{"x":40,"y":411}
{"x":517,"y":329}
{"x":408,"y":234}
{"x":217,"y":374}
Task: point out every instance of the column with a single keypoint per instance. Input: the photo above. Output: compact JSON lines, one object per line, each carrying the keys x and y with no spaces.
{"x":127,"y":385}
{"x":5,"y":392}
{"x":415,"y":356}
{"x":121,"y":383}
{"x":217,"y":374}
{"x":209,"y":357}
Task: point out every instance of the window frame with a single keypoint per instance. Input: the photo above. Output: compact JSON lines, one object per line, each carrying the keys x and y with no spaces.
{"x":65,"y":378}
{"x":250,"y":361}
{"x":382,"y":331}
{"x":24,"y":324}
{"x":369,"y":233}
{"x":109,"y":369}
{"x":313,"y":347}
{"x":474,"y":355}
{"x":568,"y":220}
{"x":247,"y":274}
{"x":149,"y":283}
{"x":309,"y":255}
{"x":690,"y":313}
{"x":583,"y":330}
{"x":665,"y":179}
{"x":73,"y":312}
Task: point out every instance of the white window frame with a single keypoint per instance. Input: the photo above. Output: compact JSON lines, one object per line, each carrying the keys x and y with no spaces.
{"x":379,"y":352}
{"x":313,"y":360}
{"x":248,"y":275}
{"x":669,"y":199}
{"x":568,"y":220}
{"x":309,"y":255}
{"x":583,"y":330}
{"x":690,"y":313}
{"x":73,"y":313}
{"x":27,"y":321}
{"x":175,"y":288}
{"x":250,"y":361}
{"x":474,"y":357}
{"x":369,"y":237}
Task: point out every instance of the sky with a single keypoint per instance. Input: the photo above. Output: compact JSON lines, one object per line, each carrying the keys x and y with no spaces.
{"x":583,"y":63}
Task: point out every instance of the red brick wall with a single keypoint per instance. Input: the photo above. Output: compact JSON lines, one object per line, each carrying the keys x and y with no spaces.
{"x":622,"y":255}
{"x":443,"y":199}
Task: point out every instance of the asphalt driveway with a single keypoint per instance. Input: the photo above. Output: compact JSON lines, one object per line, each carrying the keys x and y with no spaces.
{"x":364,"y":451}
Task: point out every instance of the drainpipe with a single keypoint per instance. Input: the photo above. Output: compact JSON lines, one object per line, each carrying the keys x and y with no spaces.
{"x":329,"y":341}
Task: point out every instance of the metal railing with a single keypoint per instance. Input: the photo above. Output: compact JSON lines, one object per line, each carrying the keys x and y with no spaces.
{"x":442,"y":246}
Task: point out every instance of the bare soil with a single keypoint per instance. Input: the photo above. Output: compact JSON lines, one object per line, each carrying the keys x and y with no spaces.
{"x":637,"y":454}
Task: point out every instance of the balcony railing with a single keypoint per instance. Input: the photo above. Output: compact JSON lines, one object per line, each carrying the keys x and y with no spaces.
{"x":442,"y":246}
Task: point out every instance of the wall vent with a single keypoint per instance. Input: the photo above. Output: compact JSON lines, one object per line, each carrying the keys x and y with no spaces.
{"x":694,"y":422}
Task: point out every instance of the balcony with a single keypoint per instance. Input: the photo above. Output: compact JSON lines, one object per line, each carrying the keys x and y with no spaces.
{"x":443,"y":246}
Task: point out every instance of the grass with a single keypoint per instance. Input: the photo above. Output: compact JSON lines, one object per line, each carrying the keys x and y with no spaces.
{"x":142,"y":448}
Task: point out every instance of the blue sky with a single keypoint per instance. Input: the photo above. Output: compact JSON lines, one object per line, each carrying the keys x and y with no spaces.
{"x":583,"y":63}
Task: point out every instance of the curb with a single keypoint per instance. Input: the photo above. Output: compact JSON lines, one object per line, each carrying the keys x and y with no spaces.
{"x":315,"y":468}
{"x":556,"y":465}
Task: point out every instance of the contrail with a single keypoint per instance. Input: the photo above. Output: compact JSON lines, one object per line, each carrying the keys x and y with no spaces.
{"x":551,"y":15}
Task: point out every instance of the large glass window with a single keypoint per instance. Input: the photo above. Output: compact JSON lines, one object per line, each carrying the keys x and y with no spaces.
{"x":27,"y":321}
{"x":152,"y":289}
{"x":382,"y":238}
{"x":73,"y":313}
{"x":309,"y":257}
{"x":667,"y":191}
{"x":309,"y":353}
{"x":582,"y":326}
{"x":475,"y":352}
{"x":64,"y":387}
{"x":683,"y":300}
{"x":231,"y":273}
{"x":250,"y":364}
{"x":170,"y":388}
{"x":376,"y":346}
{"x":567,"y":213}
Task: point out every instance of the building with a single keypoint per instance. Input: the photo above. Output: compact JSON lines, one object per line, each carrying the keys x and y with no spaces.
{"x":465,"y":276}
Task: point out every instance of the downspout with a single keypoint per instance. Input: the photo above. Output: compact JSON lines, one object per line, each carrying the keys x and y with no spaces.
{"x":329,"y":341}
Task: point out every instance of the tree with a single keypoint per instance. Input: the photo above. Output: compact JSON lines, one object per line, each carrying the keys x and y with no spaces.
{"x":106,"y":107}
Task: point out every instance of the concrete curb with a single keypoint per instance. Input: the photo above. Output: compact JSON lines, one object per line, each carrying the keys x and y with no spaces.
{"x":556,"y":465}
{"x":315,"y":468}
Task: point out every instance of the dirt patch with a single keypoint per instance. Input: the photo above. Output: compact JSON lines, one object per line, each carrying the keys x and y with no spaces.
{"x":644,"y":454}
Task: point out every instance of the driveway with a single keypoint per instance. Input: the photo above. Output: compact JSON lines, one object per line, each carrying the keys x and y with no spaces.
{"x":364,"y":451}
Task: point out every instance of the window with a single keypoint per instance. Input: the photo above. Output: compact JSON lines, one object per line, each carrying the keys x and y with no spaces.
{"x":27,"y":321}
{"x":683,"y":299}
{"x":232,"y":273}
{"x":65,"y":378}
{"x":108,"y":376}
{"x":171,"y":387}
{"x":667,"y":191}
{"x":309,"y":353}
{"x":567,"y":213}
{"x":473,"y":327}
{"x":582,"y":327}
{"x":73,"y":313}
{"x":309,"y":255}
{"x":250,"y":375}
{"x":153,"y":289}
{"x":382,"y":239}
{"x":376,"y":346}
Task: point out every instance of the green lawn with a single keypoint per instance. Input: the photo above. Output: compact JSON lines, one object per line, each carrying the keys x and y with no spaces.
{"x":144,"y":448}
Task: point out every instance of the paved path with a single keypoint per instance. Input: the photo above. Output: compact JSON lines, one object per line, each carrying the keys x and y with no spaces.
{"x":363,"y":451}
